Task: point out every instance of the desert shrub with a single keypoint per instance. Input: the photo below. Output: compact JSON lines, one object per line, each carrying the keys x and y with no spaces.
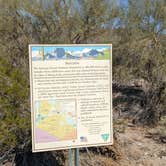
{"x":140,"y":54}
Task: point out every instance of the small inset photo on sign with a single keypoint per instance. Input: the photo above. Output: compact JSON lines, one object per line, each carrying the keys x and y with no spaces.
{"x":55,"y":120}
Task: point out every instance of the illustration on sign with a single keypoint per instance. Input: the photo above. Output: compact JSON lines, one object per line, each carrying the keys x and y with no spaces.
{"x":55,"y":53}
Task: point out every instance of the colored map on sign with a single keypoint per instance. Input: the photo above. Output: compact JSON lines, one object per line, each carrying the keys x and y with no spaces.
{"x":55,"y":120}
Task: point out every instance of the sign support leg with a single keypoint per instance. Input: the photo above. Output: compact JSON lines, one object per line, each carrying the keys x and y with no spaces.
{"x":74,"y":159}
{"x":77,"y":162}
{"x":70,"y":157}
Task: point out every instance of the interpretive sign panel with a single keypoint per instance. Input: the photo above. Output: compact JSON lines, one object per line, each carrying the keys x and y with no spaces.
{"x":71,"y":96}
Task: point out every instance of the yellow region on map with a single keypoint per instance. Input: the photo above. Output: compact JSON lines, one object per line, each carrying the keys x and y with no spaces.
{"x":45,"y":107}
{"x":57,"y":118}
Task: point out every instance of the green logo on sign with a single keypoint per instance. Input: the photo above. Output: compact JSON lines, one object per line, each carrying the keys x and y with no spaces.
{"x":105,"y":137}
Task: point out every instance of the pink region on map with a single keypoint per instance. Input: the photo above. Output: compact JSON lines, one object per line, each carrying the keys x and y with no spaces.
{"x":42,"y":136}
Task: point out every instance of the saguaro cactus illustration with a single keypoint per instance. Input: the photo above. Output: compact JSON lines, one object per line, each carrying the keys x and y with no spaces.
{"x":41,"y":52}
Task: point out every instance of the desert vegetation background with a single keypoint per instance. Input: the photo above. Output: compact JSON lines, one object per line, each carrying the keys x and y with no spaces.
{"x":137,"y":30}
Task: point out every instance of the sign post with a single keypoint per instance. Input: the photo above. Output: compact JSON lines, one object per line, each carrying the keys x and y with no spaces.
{"x":77,"y":157}
{"x":74,"y":157}
{"x":70,"y":157}
{"x":71,"y":97}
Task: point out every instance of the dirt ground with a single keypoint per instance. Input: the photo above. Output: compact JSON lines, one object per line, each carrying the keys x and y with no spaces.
{"x":139,"y":150}
{"x":136,"y":150}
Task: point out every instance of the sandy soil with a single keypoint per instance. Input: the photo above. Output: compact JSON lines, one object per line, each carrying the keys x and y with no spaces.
{"x":136,"y":150}
{"x":139,"y":150}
